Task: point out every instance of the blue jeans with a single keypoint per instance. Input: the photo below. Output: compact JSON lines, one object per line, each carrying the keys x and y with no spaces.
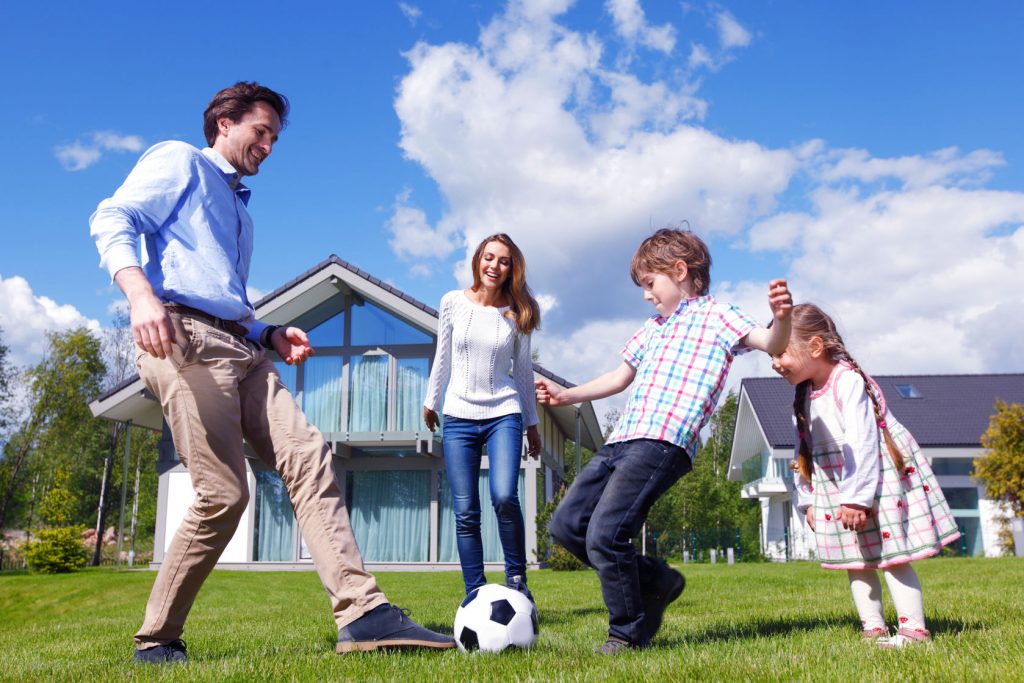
{"x":464,"y":441}
{"x":603,"y":510}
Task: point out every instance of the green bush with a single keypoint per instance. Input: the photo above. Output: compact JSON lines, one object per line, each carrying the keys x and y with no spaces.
{"x":57,"y":550}
{"x":561,"y":560}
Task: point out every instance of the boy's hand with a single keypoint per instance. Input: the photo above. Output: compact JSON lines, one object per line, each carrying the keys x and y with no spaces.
{"x":547,"y":393}
{"x":780,"y":300}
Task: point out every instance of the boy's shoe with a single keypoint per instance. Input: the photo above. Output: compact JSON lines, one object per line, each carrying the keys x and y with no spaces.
{"x":517,"y":583}
{"x":870,"y":635}
{"x":387,"y":626}
{"x":614,"y":646}
{"x":905,"y":637}
{"x":660,"y":593}
{"x":169,"y":653}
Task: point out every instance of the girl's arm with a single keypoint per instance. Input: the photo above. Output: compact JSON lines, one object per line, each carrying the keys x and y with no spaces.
{"x":607,"y":384}
{"x":860,"y":443}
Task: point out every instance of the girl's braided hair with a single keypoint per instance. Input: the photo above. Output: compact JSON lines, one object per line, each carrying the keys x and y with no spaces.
{"x":809,"y":321}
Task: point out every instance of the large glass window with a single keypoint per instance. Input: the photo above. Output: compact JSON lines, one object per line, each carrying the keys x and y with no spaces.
{"x":287,"y":373}
{"x":321,"y":392}
{"x":373,"y":326}
{"x":331,"y":332}
{"x":274,"y":528}
{"x":412,"y":388}
{"x":970,"y":542}
{"x":962,"y":499}
{"x":368,"y":394}
{"x":953,"y":466}
{"x":447,"y":551}
{"x":390,"y":512}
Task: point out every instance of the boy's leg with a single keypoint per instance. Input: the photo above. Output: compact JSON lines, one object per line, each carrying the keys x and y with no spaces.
{"x":285,"y":440}
{"x":462,"y":454}
{"x":569,"y":523}
{"x":641,"y":471}
{"x":504,"y":453}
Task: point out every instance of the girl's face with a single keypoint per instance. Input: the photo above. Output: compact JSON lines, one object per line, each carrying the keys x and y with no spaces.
{"x":803,"y":360}
{"x":495,"y":265}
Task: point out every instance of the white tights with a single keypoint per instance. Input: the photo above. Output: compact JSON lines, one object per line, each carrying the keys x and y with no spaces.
{"x":904,"y":588}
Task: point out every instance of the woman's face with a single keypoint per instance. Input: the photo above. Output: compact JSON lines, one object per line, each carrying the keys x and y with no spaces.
{"x":495,"y":265}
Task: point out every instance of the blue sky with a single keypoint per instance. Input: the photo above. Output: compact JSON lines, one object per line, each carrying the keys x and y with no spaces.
{"x":870,"y":152}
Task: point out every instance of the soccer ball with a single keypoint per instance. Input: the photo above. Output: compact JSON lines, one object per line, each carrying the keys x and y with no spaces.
{"x":493,"y":618}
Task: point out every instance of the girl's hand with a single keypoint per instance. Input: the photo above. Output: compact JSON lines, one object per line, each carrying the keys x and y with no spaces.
{"x":430,"y":417}
{"x":809,"y":515}
{"x":853,"y":517}
{"x":532,"y":441}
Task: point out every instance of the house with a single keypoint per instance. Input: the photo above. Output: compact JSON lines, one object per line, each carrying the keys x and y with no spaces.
{"x":364,"y":389}
{"x":947,"y":414}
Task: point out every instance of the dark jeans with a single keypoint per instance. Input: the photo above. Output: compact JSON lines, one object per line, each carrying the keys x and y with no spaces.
{"x":604,"y":509}
{"x":464,"y":441}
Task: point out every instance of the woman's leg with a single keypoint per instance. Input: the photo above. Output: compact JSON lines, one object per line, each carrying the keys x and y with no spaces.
{"x":867,"y":597}
{"x":504,"y":453}
{"x":462,"y":447}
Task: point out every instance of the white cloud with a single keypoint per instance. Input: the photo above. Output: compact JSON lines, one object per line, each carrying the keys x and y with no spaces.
{"x":413,"y":238}
{"x":730,"y":33}
{"x":631,"y":24}
{"x":916,"y":171}
{"x":411,"y":12}
{"x":26,"y":318}
{"x":78,"y":155}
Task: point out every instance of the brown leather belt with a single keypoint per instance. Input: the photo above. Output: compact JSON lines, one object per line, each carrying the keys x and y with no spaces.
{"x":229,"y":326}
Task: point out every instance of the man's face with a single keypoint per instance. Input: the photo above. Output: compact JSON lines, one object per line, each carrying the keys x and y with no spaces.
{"x":247,"y":142}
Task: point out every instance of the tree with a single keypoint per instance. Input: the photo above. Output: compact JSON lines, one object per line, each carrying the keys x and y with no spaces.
{"x":59,"y":548}
{"x":7,"y":382}
{"x":1001,"y":469}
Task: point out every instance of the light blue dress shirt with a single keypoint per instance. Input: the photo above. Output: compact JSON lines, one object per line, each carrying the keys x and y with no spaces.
{"x":190,"y":209}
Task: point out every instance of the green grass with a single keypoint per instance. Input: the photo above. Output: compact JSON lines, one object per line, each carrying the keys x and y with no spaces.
{"x":742,"y":622}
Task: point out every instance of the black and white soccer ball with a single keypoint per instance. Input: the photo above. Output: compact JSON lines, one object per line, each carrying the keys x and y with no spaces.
{"x":493,"y":618}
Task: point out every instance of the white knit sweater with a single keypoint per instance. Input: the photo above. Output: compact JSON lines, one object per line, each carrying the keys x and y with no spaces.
{"x":484,"y":360}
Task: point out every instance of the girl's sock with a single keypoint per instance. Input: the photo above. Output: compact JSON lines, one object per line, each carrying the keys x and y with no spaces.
{"x":905,"y":589}
{"x":867,"y":597}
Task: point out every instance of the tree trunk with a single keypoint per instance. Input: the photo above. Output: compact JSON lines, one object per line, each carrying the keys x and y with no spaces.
{"x":101,"y":509}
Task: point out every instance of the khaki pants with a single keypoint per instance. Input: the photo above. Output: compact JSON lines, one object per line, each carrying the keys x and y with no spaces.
{"x":216,"y":389}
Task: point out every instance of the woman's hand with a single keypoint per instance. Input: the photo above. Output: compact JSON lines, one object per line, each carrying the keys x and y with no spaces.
{"x":853,"y":517}
{"x":430,"y":417}
{"x":532,"y":441}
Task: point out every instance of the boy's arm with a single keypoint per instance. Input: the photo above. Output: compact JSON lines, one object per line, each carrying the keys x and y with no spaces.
{"x":607,"y":384}
{"x":774,"y":340}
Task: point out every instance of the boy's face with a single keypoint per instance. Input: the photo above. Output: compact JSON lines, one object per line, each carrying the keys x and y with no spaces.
{"x":665,"y":290}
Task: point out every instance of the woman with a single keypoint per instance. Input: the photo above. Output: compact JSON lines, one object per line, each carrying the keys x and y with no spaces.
{"x":483,"y":356}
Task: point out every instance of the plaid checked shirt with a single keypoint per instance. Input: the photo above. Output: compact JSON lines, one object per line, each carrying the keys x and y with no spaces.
{"x":681,"y":364}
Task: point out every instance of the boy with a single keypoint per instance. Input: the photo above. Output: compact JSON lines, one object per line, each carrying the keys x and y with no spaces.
{"x":677,"y":364}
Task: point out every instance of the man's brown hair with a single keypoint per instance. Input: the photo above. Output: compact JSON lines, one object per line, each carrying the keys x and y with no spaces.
{"x":660,"y":252}
{"x":236,"y":101}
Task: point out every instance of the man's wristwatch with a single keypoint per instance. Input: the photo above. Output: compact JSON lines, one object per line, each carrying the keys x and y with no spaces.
{"x":265,"y":338}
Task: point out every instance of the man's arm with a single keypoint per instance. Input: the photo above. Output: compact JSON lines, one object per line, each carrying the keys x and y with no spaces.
{"x":151,"y":326}
{"x":607,"y":384}
{"x":774,"y":340}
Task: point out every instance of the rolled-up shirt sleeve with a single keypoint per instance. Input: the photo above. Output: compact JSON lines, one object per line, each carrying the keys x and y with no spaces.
{"x":149,"y":196}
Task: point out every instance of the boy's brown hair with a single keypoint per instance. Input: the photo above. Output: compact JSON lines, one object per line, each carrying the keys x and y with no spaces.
{"x":660,"y":252}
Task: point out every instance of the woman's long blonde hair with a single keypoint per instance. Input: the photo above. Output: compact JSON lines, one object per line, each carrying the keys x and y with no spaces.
{"x":524,"y":309}
{"x":809,"y":322}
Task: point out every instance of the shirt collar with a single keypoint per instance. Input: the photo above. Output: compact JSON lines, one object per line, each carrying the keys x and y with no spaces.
{"x":681,"y":308}
{"x":231,"y":176}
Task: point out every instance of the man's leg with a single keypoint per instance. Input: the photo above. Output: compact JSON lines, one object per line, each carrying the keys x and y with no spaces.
{"x":201,"y":407}
{"x":285,"y":440}
{"x":462,"y":455}
{"x":641,"y":471}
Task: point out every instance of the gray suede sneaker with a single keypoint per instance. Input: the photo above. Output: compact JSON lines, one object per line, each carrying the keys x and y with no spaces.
{"x":389,"y":627}
{"x":169,"y":653}
{"x":614,"y":646}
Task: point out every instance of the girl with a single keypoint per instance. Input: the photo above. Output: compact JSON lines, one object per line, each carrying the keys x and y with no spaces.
{"x":864,"y":486}
{"x":483,"y":356}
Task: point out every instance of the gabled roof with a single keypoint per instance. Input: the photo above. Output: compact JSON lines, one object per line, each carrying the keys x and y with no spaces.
{"x":953,"y":410}
{"x":130,"y":400}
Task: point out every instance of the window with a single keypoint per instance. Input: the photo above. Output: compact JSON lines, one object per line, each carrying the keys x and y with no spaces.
{"x":331,"y":332}
{"x":274,"y":533}
{"x":368,"y":394}
{"x":962,"y":499}
{"x":390,"y":512}
{"x":321,"y":394}
{"x":411,"y":389}
{"x":961,"y":467}
{"x":373,"y":326}
{"x":908,"y":391}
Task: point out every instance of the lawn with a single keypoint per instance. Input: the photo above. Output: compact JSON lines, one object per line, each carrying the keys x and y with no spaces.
{"x":741,"y":622}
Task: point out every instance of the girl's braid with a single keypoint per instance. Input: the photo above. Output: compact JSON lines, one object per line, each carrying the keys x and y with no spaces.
{"x":804,"y":462}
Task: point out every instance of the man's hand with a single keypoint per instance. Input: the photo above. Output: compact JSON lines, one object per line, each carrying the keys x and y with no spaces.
{"x":151,"y":326}
{"x":853,"y":517}
{"x":532,"y":441}
{"x":548,"y":393}
{"x":780,"y":300}
{"x":291,"y":344}
{"x":430,"y":417}
{"x":809,"y":516}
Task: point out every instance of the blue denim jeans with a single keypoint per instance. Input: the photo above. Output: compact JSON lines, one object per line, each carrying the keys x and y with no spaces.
{"x":464,"y":441}
{"x":603,"y":510}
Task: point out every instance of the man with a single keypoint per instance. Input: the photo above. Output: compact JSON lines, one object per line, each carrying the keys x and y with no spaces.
{"x":202,"y":354}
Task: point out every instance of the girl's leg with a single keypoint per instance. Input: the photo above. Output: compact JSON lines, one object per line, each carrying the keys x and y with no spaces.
{"x":462,"y":447}
{"x":905,"y":589}
{"x":504,"y":452}
{"x":867,"y":597}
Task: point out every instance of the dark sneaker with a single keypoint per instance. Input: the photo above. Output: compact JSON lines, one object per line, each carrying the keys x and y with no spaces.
{"x":668,"y":586}
{"x":390,"y":627}
{"x":172,"y":652}
{"x":614,"y":646}
{"x":517,"y":583}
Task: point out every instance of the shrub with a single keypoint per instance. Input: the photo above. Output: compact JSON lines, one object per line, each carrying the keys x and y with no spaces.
{"x":57,"y":550}
{"x":561,"y":560}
